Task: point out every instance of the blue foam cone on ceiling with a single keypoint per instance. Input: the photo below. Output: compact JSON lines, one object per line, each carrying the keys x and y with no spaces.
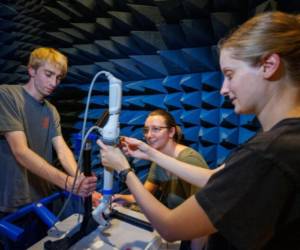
{"x":191,"y":82}
{"x":126,"y":116}
{"x":172,"y":83}
{"x":191,"y":117}
{"x":151,"y":65}
{"x":127,"y":131}
{"x":149,"y":41}
{"x":126,"y":45}
{"x":173,"y":100}
{"x":191,"y":100}
{"x":128,"y":67}
{"x":228,"y":118}
{"x":210,"y":117}
{"x":199,"y":59}
{"x":174,"y":61}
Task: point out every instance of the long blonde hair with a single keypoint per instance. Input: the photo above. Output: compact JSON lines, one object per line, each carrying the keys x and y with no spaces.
{"x":266,"y":33}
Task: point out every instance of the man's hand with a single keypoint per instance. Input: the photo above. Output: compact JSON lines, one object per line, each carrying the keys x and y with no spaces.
{"x":84,"y":186}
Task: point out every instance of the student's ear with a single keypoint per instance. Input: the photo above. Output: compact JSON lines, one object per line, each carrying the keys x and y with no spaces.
{"x":172,"y":132}
{"x":31,"y":71}
{"x":271,"y":66}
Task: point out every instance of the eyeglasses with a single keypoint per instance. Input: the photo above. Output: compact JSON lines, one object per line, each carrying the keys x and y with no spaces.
{"x":154,"y":130}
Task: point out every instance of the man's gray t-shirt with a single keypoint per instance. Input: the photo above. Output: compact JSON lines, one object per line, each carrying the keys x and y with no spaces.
{"x":40,"y":122}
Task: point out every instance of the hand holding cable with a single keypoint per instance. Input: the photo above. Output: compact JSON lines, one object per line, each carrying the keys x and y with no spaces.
{"x":83,"y":186}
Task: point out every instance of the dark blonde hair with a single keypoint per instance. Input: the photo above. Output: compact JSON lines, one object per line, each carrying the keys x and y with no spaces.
{"x":266,"y":33}
{"x":170,"y":123}
{"x":39,"y":56}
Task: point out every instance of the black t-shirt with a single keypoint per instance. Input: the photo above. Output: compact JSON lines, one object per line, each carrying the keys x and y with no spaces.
{"x":254,"y":202}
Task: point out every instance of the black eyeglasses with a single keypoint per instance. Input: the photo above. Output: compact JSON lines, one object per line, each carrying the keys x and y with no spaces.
{"x":154,"y":130}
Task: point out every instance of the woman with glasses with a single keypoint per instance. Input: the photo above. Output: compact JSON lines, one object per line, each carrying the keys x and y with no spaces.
{"x":253,"y":202}
{"x":161,"y":133}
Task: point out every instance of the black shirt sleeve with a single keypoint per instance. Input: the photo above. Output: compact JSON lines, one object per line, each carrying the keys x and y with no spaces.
{"x":244,"y":200}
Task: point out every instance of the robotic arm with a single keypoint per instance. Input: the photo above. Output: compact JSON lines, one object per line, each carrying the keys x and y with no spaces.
{"x":110,"y":135}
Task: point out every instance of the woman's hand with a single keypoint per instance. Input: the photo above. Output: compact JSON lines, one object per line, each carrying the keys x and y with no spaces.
{"x":134,"y":148}
{"x":112,"y":157}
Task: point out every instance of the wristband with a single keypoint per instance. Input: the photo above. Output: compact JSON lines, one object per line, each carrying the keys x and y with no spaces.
{"x":123,"y":174}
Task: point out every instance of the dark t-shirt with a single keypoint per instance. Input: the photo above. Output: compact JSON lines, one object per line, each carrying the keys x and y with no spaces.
{"x":254,"y":202}
{"x":40,"y":122}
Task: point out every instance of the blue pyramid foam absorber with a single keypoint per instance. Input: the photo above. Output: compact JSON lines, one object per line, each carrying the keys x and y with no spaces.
{"x":191,"y":134}
{"x":209,"y":135}
{"x":199,"y":59}
{"x":127,"y":131}
{"x":173,"y":100}
{"x":155,"y":86}
{"x":212,"y":80}
{"x":198,"y":32}
{"x":97,"y":99}
{"x":249,"y":121}
{"x":93,"y":114}
{"x":89,"y":70}
{"x":191,"y":117}
{"x":229,"y":137}
{"x":211,"y":99}
{"x":133,"y":101}
{"x":122,"y":20}
{"x":209,"y":153}
{"x":151,"y":65}
{"x":137,"y":86}
{"x":128,"y":67}
{"x":110,"y":67}
{"x":177,"y":114}
{"x":155,"y":101}
{"x":192,"y":99}
{"x":222,"y":154}
{"x":210,"y":117}
{"x":126,"y":45}
{"x":245,"y":134}
{"x":191,"y":82}
{"x":149,"y":41}
{"x":228,"y":118}
{"x":172,"y":83}
{"x":139,"y":118}
{"x":174,"y":61}
{"x":173,"y":35}
{"x":90,"y":50}
{"x":126,"y":116}
{"x":108,"y":48}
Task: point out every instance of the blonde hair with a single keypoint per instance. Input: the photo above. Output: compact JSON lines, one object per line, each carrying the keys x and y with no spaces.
{"x":39,"y":56}
{"x":170,"y":123}
{"x":266,"y":33}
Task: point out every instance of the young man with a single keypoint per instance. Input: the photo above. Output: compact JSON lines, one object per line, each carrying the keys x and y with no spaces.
{"x":29,"y":131}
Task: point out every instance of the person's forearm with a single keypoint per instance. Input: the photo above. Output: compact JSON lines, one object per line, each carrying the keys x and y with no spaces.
{"x":190,"y":173}
{"x":154,"y":210}
{"x":37,"y":165}
{"x":68,"y":162}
